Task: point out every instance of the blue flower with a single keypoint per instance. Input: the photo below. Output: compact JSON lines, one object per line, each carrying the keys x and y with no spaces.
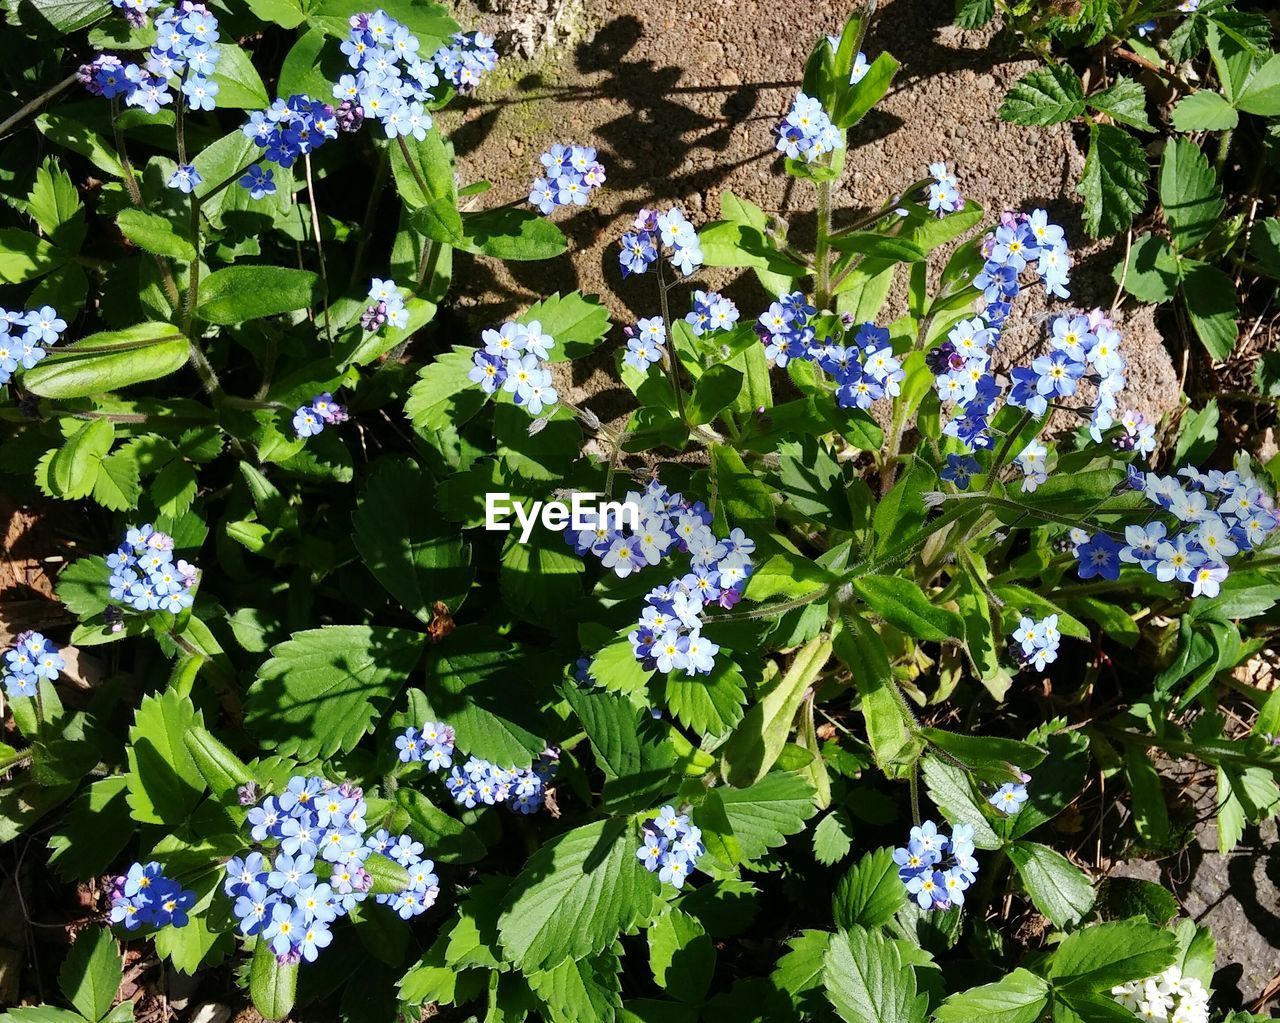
{"x":259,"y":181}
{"x":185,"y":178}
{"x":1008,"y":798}
{"x":1099,"y":556}
{"x":960,"y":470}
{"x":807,"y":132}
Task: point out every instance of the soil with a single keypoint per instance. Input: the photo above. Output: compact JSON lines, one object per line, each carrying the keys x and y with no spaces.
{"x":681,"y":100}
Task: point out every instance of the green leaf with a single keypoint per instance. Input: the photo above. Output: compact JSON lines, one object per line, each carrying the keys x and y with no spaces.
{"x":1265,"y":246}
{"x":24,"y":256}
{"x":951,"y":790}
{"x":763,"y":815}
{"x":513,"y":233}
{"x":323,"y":689}
{"x":1261,"y":93}
{"x":432,"y":158}
{"x":1104,"y":955}
{"x":444,"y":395}
{"x":871,"y":893}
{"x":986,"y":755}
{"x":117,"y":486}
{"x":632,"y":757}
{"x":1020,"y":997}
{"x":82,"y":586}
{"x":900,"y":514}
{"x":1151,"y":273}
{"x":109,"y":361}
{"x":1126,"y":102}
{"x":1114,"y":185}
{"x":74,"y":468}
{"x":905,"y":606}
{"x":235,"y":294}
{"x":1204,"y":110}
{"x":832,"y":838}
{"x":867,"y":982}
{"x":478,"y":683}
{"x":746,"y":501}
{"x":417,"y":557}
{"x":581,"y":990}
{"x":715,"y":391}
{"x":1189,"y":192}
{"x":681,"y":956}
{"x":891,"y":733}
{"x":787,"y":575}
{"x":575,"y":895}
{"x":154,"y":233}
{"x":94,"y":829}
{"x":974,"y":13}
{"x":55,"y":206}
{"x":164,"y":783}
{"x":756,"y":743}
{"x":273,"y":987}
{"x":1210,"y":296}
{"x":1059,"y":889}
{"x":239,"y":84}
{"x":221,"y":769}
{"x":578,"y":323}
{"x":1047,"y":95}
{"x":709,"y":704}
{"x":68,"y":131}
{"x":91,"y":973}
{"x":1129,"y":896}
{"x":46,"y":18}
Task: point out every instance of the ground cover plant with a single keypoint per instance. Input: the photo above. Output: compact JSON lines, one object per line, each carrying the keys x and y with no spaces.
{"x":431,"y":688}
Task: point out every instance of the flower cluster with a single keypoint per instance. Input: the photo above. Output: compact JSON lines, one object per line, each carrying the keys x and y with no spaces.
{"x":1214,"y":516}
{"x":144,"y":575}
{"x":1022,"y":241}
{"x":31,"y":659}
{"x":286,"y":130}
{"x":1168,"y":996}
{"x":806,"y":133}
{"x":478,"y":782}
{"x":1038,"y":642}
{"x":465,"y":59}
{"x":135,"y":11}
{"x":711,"y":312}
{"x":570,"y":174}
{"x":144,"y":897}
{"x":26,"y":337}
{"x":944,"y":190}
{"x":386,"y":306}
{"x":937,"y":869}
{"x":183,"y":52}
{"x":392,"y":82}
{"x":514,"y":358}
{"x":671,"y":846}
{"x":646,"y":343}
{"x":312,"y":828}
{"x":323,"y":411}
{"x":654,"y":231}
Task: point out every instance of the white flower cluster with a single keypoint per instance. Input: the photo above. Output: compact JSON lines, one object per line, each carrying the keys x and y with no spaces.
{"x":1168,"y":996}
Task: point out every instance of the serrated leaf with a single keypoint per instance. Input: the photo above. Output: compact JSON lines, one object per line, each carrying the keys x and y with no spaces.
{"x":578,"y":323}
{"x":832,"y":838}
{"x":867,"y":982}
{"x":1114,"y":185}
{"x":418,"y":558}
{"x":443,"y":395}
{"x":91,"y":973}
{"x":1152,"y":271}
{"x":577,"y":991}
{"x":575,"y":895}
{"x":951,"y":790}
{"x":323,"y":689}
{"x":163,"y":781}
{"x":1261,"y":93}
{"x":1189,"y":193}
{"x":117,"y":486}
{"x":1126,"y":102}
{"x":709,"y":704}
{"x":1021,"y":997}
{"x":1059,"y":889}
{"x":871,"y":893}
{"x":1210,"y":296}
{"x":55,"y":206}
{"x":1047,"y":95}
{"x":681,"y":956}
{"x":479,"y":683}
{"x":92,"y":832}
{"x":1204,"y":110}
{"x":74,"y":469}
{"x":765,"y":814}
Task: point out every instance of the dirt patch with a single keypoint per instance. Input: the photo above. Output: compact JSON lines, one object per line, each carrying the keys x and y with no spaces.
{"x":681,"y":102}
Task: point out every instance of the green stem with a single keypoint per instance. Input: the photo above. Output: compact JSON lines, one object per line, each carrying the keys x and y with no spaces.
{"x":135,"y":196}
{"x":33,"y":105}
{"x":822,"y":249}
{"x":672,"y":359}
{"x":315,"y":234}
